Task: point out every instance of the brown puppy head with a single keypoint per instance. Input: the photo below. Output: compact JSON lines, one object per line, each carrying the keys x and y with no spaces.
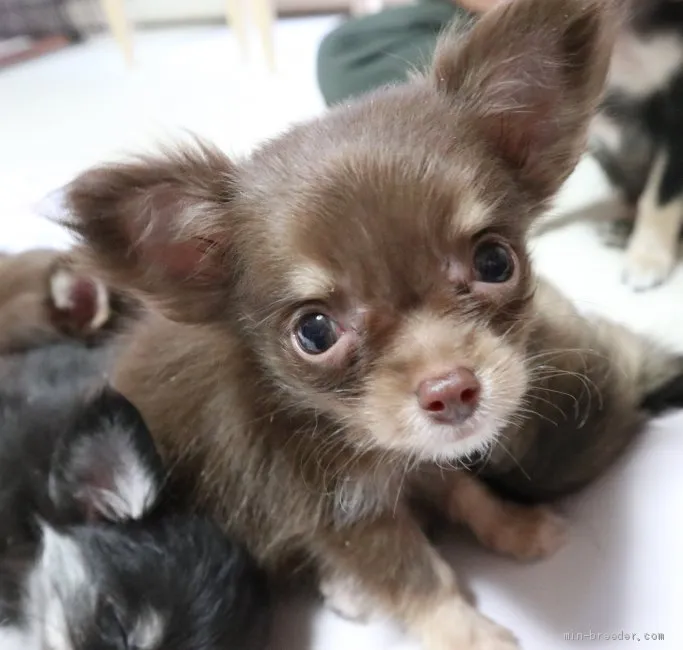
{"x":374,"y":260}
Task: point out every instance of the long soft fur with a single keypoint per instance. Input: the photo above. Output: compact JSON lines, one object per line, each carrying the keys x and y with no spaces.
{"x":374,"y":220}
{"x":90,"y":555}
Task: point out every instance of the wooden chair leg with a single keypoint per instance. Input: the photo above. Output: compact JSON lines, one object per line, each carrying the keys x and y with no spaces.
{"x":115,"y":13}
{"x":264,"y":14}
{"x":236,"y":11}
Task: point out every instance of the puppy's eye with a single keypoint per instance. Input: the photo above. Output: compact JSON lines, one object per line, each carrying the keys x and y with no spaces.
{"x":493,"y":262}
{"x":316,"y":333}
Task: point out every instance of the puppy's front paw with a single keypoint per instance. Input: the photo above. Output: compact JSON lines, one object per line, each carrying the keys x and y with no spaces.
{"x":647,"y":268}
{"x":458,"y":626}
{"x":526,"y":533}
{"x":487,"y":635}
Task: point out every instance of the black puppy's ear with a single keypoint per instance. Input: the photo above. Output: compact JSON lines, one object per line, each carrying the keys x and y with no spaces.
{"x":161,"y":226}
{"x":107,"y":466}
{"x":527,"y":77}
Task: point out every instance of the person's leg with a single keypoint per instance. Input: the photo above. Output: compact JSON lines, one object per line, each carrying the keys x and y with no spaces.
{"x":371,"y":51}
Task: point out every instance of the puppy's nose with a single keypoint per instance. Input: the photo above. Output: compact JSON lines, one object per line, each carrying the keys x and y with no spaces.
{"x":452,"y":398}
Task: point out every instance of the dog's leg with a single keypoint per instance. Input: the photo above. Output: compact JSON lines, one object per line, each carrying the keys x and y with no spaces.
{"x":652,"y":251}
{"x":520,"y":531}
{"x":523,"y":532}
{"x":389,"y":563}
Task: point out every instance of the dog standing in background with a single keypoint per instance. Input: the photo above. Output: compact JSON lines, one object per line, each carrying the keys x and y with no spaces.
{"x":637,"y":138}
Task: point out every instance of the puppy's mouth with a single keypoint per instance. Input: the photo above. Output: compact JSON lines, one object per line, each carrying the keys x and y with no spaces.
{"x":459,"y":417}
{"x":435,"y":432}
{"x":453,"y":411}
{"x":441,"y":441}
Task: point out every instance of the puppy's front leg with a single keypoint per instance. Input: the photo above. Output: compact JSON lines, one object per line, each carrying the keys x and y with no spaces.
{"x":523,"y":532}
{"x":653,"y":248}
{"x":520,"y":531}
{"x":393,"y":567}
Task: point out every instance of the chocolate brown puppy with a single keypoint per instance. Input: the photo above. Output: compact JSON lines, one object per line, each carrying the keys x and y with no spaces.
{"x":344,"y":315}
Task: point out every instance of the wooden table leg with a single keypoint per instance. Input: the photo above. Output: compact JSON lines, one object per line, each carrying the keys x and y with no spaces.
{"x":236,"y":11}
{"x":264,"y":13}
{"x":115,"y":13}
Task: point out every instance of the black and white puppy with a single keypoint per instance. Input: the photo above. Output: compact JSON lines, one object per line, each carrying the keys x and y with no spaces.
{"x":637,"y":138}
{"x":89,"y":557}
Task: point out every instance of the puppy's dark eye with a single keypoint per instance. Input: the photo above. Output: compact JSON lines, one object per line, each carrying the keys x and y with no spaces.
{"x":493,"y":263}
{"x":316,"y":333}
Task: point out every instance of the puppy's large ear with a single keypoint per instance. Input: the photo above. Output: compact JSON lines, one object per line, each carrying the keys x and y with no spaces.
{"x":160,"y":226}
{"x":106,"y":466}
{"x":527,"y":77}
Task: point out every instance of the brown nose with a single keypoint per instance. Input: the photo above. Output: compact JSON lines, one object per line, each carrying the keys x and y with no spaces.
{"x":452,"y":398}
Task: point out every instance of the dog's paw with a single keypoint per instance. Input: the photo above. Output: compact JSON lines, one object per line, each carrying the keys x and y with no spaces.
{"x":486,"y":635}
{"x":80,"y":303}
{"x":526,"y":533}
{"x":647,"y":268}
{"x":458,"y":626}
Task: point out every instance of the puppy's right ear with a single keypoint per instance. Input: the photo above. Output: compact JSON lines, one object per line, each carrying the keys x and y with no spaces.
{"x":528,"y":77}
{"x":160,"y":226}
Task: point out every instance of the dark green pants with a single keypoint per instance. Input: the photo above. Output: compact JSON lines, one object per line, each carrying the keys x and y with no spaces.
{"x":382,"y":48}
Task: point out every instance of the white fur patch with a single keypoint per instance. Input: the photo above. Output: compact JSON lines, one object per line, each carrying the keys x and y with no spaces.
{"x":606,"y":132}
{"x":358,"y":498}
{"x":102,"y":309}
{"x":148,"y":631}
{"x":640,"y":65}
{"x":60,"y":587}
{"x":437,"y":443}
{"x":61,"y":562}
{"x":60,"y":288}
{"x":653,"y":248}
{"x":61,"y":285}
{"x":346,"y":597}
{"x":14,"y":638}
{"x":134,"y":489}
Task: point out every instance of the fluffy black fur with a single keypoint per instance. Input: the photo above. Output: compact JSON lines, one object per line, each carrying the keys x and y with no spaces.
{"x":668,"y":396}
{"x":41,"y":400}
{"x":203,"y":586}
{"x":62,"y":447}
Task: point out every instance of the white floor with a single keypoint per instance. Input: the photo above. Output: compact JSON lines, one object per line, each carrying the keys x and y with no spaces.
{"x":63,"y":113}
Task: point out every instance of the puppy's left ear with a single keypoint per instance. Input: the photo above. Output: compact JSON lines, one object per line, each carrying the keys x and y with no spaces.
{"x":106,"y":466}
{"x":162,"y":227}
{"x":528,"y":77}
